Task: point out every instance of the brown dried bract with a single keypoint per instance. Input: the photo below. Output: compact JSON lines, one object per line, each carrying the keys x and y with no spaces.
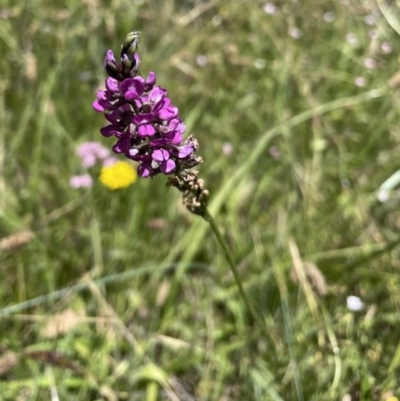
{"x":16,"y":240}
{"x":54,"y":358}
{"x":7,"y":361}
{"x":61,"y":323}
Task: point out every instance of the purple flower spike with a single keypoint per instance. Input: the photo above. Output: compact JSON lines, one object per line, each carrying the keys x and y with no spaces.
{"x":142,"y":117}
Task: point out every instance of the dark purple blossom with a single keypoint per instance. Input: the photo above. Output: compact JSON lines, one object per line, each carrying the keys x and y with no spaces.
{"x":142,"y":118}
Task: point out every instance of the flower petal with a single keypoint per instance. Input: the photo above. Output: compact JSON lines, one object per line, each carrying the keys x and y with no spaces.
{"x":157,"y":94}
{"x":143,"y":118}
{"x":167,"y":113}
{"x":110,"y":130}
{"x":146,"y":130}
{"x":110,"y":59}
{"x":122,"y":145}
{"x":167,"y":166}
{"x":159,"y":155}
{"x":145,"y":170}
{"x":112,"y":84}
{"x":132,"y":88}
{"x":184,"y":151}
{"x":150,"y":81}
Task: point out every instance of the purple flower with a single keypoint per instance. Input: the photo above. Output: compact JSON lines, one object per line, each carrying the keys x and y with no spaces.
{"x":142,"y":118}
{"x":132,"y":88}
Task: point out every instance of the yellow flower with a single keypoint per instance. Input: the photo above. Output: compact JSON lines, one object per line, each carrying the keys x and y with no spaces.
{"x":118,"y":175}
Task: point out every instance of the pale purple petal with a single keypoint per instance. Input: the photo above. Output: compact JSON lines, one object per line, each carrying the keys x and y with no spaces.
{"x":144,"y":170}
{"x":166,"y":102}
{"x":101,"y":95}
{"x":157,"y":94}
{"x":168,"y":113}
{"x":112,"y":84}
{"x":99,"y":106}
{"x":184,"y":151}
{"x":146,"y":130}
{"x":177,"y":125}
{"x":167,"y":166}
{"x":176,"y":139}
{"x":143,"y":118}
{"x":102,"y":103}
{"x":150,"y":81}
{"x":160,"y":155}
{"x":136,"y":59}
{"x":110,"y":59}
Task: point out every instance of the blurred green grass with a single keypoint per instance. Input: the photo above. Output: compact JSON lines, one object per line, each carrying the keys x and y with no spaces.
{"x":156,"y":312}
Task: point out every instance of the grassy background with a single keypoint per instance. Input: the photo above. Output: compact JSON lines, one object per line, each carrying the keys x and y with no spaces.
{"x":149,"y":308}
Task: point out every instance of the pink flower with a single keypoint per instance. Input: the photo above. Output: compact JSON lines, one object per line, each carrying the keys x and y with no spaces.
{"x":360,"y":82}
{"x":81,"y":181}
{"x":90,"y":152}
{"x":386,"y":47}
{"x":370,"y":63}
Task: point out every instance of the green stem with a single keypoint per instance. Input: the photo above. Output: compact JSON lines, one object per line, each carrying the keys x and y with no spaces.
{"x":208,"y":217}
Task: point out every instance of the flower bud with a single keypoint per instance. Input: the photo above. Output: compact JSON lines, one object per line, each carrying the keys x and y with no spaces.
{"x":130,"y":44}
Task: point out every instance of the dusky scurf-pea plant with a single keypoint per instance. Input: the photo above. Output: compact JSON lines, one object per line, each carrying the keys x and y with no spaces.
{"x":148,"y":130}
{"x":147,"y":125}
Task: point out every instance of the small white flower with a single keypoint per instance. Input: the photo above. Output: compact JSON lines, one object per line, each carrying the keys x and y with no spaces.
{"x":260,"y":64}
{"x":354,"y":303}
{"x":201,"y":60}
{"x":274,"y":152}
{"x":295,"y":32}
{"x":227,"y":148}
{"x":383,"y":196}
{"x":352,"y":39}
{"x":329,"y":16}
{"x":270,"y":8}
{"x":370,"y":19}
